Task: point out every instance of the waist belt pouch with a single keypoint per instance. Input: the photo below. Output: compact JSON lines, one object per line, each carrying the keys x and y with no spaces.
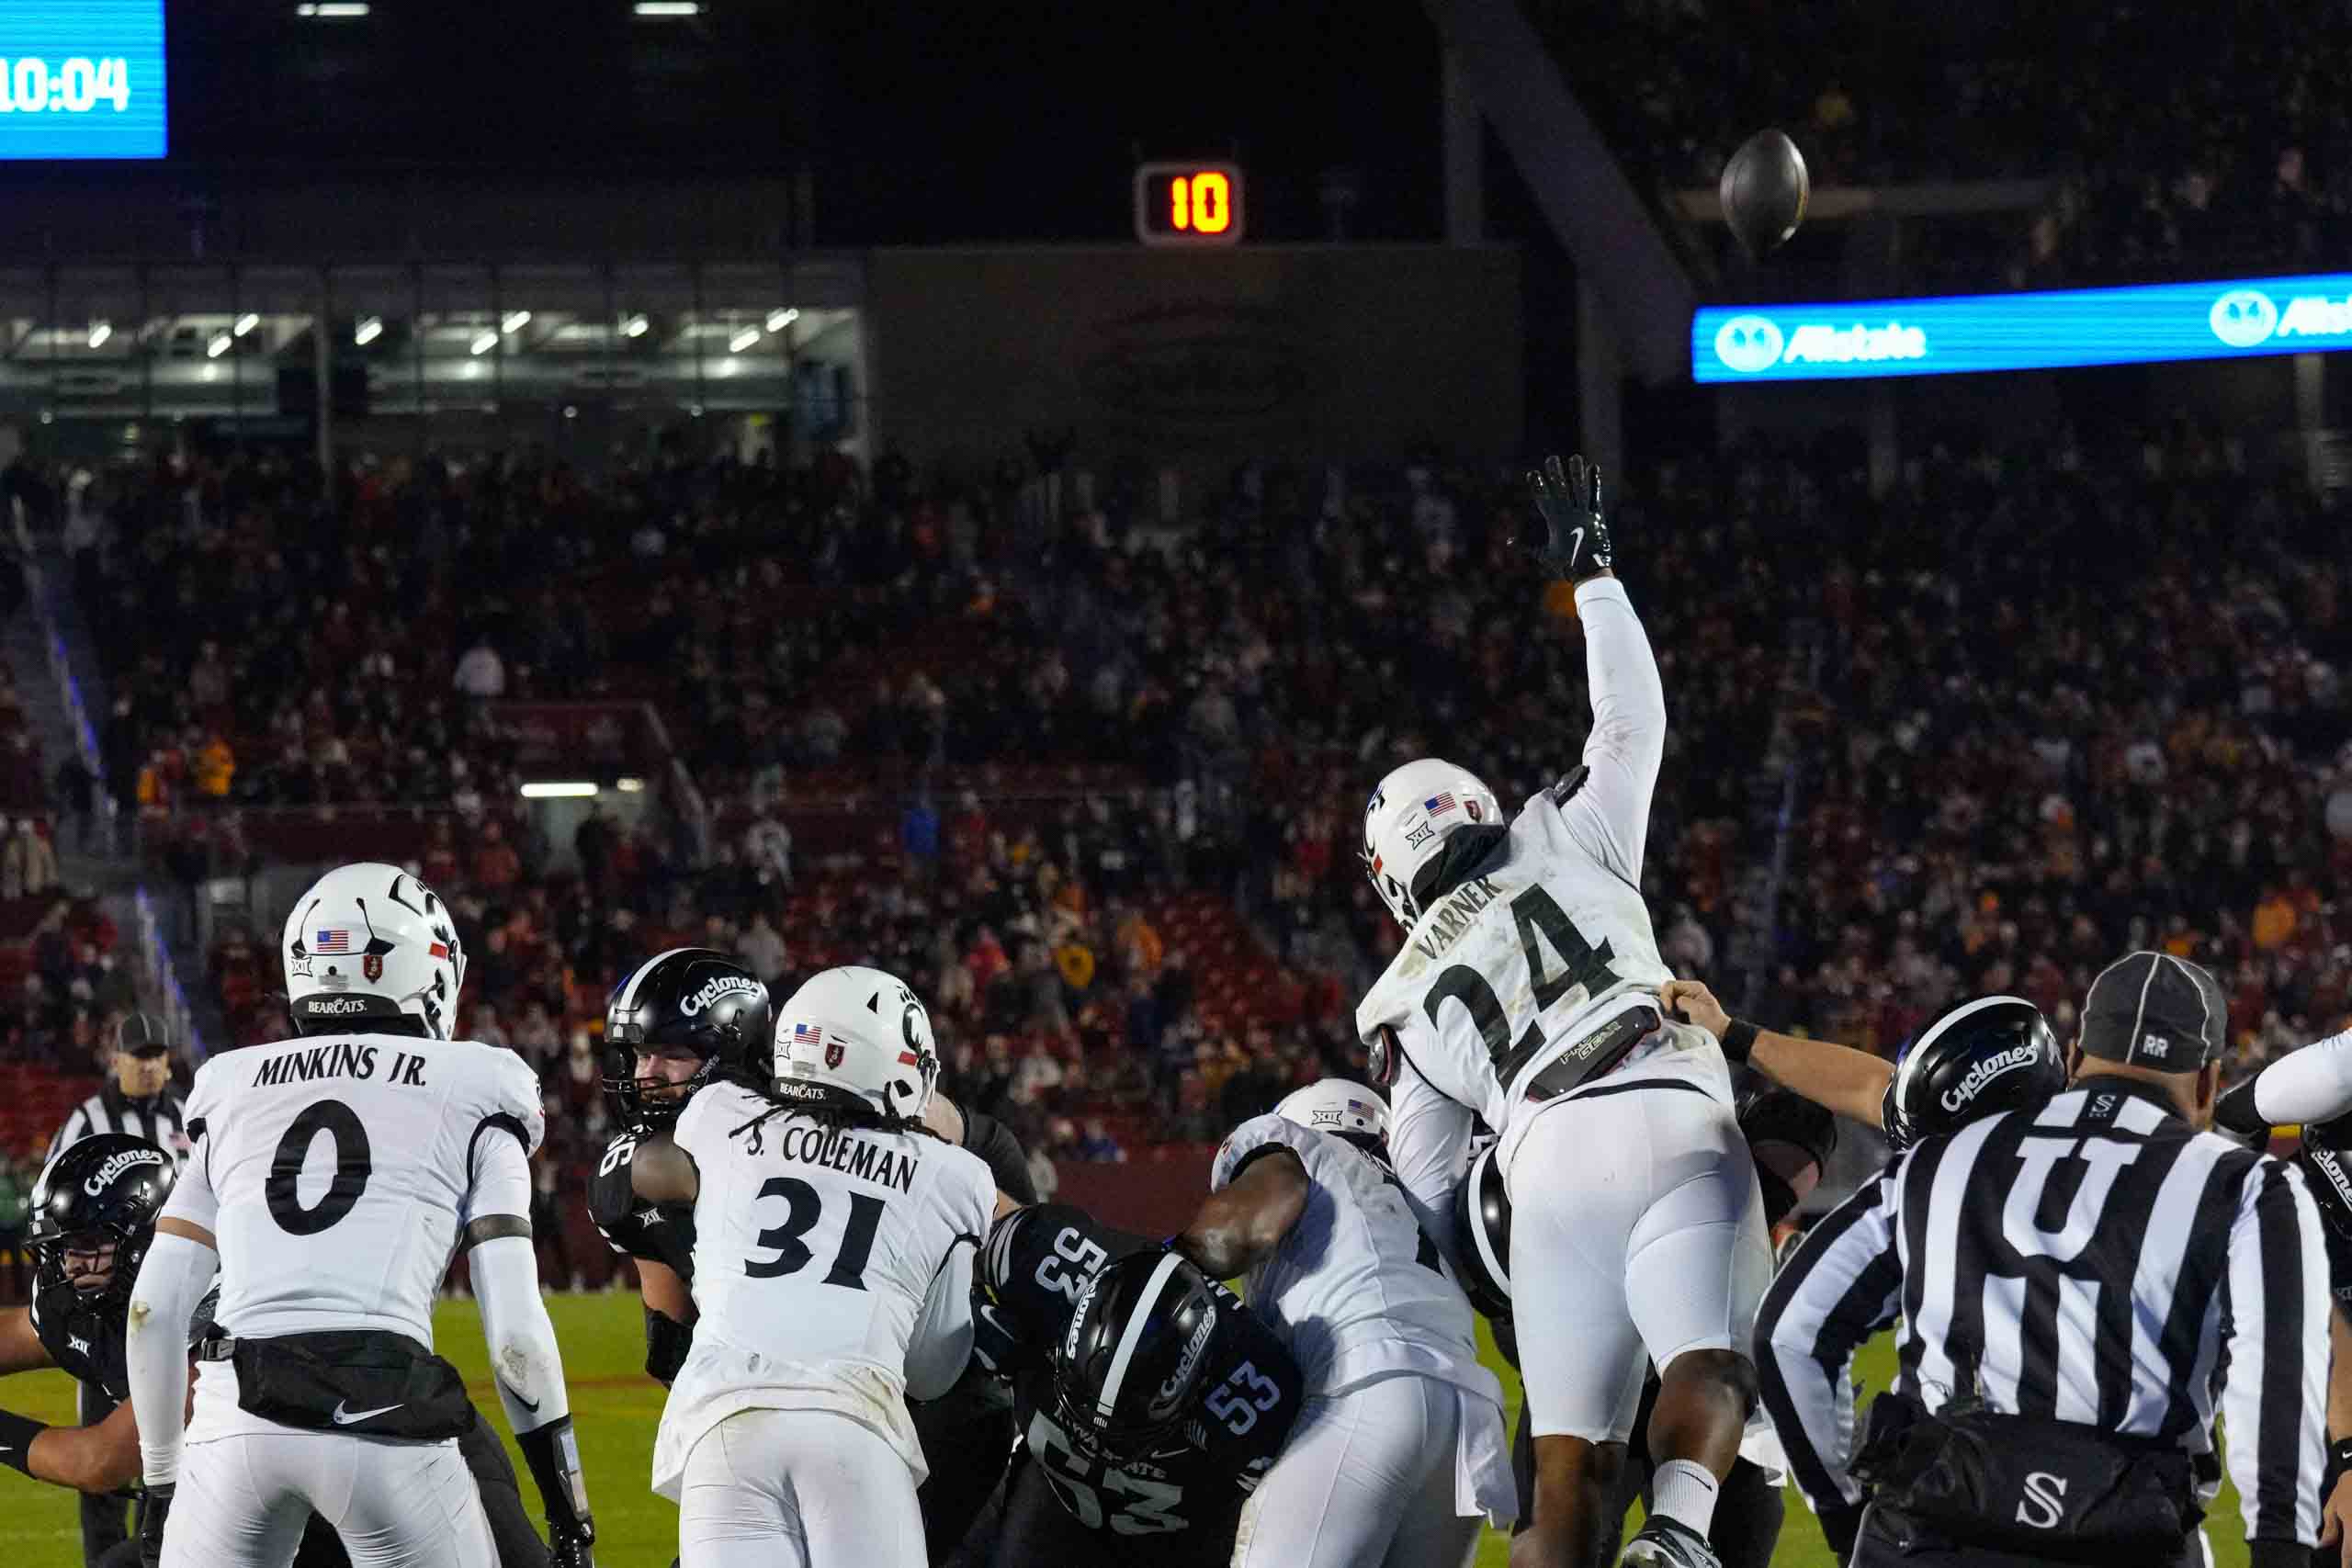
{"x":2052,"y":1489}
{"x":365,"y":1382}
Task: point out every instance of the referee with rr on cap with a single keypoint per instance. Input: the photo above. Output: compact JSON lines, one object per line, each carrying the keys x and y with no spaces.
{"x":2076,"y":1279}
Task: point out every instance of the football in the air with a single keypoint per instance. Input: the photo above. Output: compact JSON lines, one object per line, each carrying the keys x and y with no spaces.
{"x":1764,"y":189}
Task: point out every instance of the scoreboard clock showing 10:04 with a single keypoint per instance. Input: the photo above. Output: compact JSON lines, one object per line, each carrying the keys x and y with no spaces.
{"x":81,"y":79}
{"x":1188,"y":204}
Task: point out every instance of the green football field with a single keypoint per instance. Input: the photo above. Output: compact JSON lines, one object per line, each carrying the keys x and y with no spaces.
{"x":617,"y":1407}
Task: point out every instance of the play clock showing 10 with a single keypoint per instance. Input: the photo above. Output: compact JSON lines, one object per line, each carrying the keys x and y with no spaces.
{"x":30,"y":84}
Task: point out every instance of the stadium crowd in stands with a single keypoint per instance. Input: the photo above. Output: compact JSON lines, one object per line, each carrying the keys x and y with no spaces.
{"x":2068,"y":700}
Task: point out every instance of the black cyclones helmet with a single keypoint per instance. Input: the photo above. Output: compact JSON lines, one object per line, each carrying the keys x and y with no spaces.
{"x":690,"y":997}
{"x":2326,"y":1159}
{"x":104,"y":1192}
{"x":1973,"y":1059}
{"x":1127,"y":1368}
{"x":1482,"y":1235}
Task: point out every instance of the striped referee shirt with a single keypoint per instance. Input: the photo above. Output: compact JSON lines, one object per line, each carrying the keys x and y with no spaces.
{"x":162,"y":1121}
{"x":2094,"y":1260}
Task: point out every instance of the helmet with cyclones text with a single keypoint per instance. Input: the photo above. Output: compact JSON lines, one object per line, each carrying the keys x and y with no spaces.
{"x":1130,"y":1363}
{"x":1973,"y":1059}
{"x":103,"y":1192}
{"x":857,"y":1036}
{"x":1408,"y":820}
{"x":690,"y":1000}
{"x":368,"y":945}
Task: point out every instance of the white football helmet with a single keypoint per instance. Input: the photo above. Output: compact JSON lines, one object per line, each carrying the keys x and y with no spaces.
{"x":1336,"y":1105}
{"x":859,"y":1033}
{"x":371,"y":943}
{"x":1412,"y":813}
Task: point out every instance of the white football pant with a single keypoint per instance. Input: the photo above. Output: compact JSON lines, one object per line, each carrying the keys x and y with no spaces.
{"x":803,"y":1488}
{"x":1637,"y":1234}
{"x":244,"y":1500}
{"x":1372,"y":1478}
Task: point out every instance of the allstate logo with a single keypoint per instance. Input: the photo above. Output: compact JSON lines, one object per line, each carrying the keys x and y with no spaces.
{"x":2244,"y":317}
{"x":1748,"y":344}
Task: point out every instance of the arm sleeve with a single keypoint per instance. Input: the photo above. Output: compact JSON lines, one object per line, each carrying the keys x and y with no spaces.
{"x":524,"y":1358}
{"x":163,"y":1302}
{"x":500,"y":1174}
{"x":1428,"y":1145}
{"x":2274,"y":1401}
{"x":1611,"y":812}
{"x":2313,"y":1084}
{"x":1008,"y":1162}
{"x":1844,"y":1284}
{"x":943,"y":1337}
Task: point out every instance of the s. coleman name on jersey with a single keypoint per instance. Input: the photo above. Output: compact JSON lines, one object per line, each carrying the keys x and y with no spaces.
{"x":1454,"y":916}
{"x":337,"y":1059}
{"x":850,"y":1155}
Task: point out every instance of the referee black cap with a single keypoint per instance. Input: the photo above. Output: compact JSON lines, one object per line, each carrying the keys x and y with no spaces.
{"x":2151,"y":1010}
{"x":142,"y":1034}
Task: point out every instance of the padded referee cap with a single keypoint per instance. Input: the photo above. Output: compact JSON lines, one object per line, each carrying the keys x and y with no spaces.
{"x":142,"y":1034}
{"x":2151,"y":1010}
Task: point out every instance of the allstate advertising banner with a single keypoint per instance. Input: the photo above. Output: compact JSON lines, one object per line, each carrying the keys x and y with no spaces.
{"x":1967,"y":332}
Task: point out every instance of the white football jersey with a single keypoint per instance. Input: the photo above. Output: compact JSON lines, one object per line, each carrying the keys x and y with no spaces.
{"x":1358,"y":1290}
{"x":817,"y":1251}
{"x":339,"y":1171}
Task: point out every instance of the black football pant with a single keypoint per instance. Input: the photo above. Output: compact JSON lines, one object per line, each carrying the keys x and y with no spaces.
{"x":1747,"y":1510}
{"x":1890,"y":1538}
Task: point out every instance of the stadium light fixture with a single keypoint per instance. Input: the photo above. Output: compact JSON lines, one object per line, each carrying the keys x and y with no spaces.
{"x":369,"y":329}
{"x":668,"y":7}
{"x":560,"y":790}
{"x":333,"y":10}
{"x":485,"y":341}
{"x":247,"y":323}
{"x":635,"y":326}
{"x":514,"y":320}
{"x":743,"y":339}
{"x":99,"y":333}
{"x":218,"y":346}
{"x":779,"y":320}
{"x":629,"y":787}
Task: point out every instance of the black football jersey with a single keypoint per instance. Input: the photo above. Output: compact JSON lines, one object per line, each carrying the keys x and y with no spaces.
{"x":663,"y":1232}
{"x":1036,"y":1263}
{"x":87,"y":1345}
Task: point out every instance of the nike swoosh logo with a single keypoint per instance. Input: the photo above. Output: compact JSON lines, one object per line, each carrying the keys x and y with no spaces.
{"x":344,"y":1417}
{"x":530,"y":1404}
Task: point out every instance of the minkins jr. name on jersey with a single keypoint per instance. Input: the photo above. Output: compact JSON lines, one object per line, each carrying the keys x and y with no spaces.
{"x":1454,"y":916}
{"x":851,"y":1155}
{"x":338,"y":1059}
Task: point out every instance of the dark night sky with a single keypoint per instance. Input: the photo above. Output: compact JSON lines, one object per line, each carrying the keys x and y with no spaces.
{"x":925,"y":123}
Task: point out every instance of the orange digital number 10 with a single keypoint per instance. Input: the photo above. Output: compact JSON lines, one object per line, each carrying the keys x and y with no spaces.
{"x":1202,"y":204}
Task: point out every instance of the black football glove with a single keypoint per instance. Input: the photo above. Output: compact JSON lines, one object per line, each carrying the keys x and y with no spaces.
{"x":572,"y":1546}
{"x":154,"y":1510}
{"x":1574,"y":540}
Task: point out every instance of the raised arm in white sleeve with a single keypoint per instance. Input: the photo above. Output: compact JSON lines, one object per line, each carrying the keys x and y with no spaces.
{"x":163,"y":1303}
{"x":2313,"y":1084}
{"x":1611,"y":813}
{"x":942,"y":1342}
